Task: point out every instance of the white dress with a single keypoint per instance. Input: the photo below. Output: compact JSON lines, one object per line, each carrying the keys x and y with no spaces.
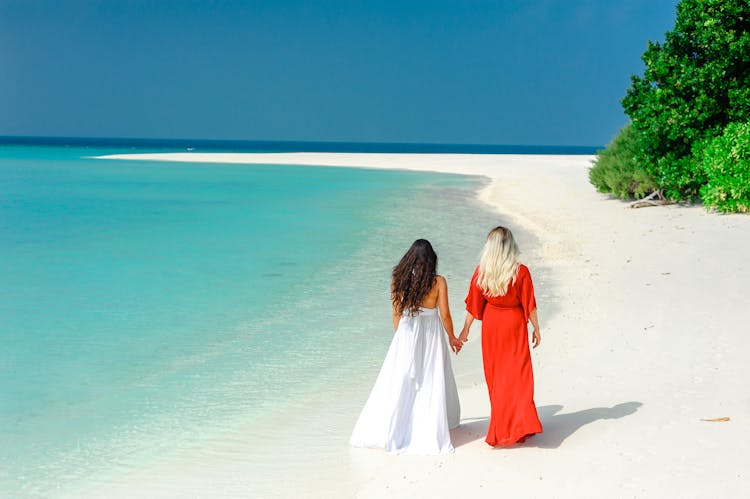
{"x":414,"y":401}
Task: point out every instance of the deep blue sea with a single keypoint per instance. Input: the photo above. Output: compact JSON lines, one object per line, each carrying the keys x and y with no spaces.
{"x":144,"y":305}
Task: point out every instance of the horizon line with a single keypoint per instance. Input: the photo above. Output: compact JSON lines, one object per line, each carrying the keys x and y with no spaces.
{"x":284,"y":145}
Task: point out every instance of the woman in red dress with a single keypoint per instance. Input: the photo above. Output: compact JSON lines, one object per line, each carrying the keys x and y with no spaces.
{"x":501,"y":295}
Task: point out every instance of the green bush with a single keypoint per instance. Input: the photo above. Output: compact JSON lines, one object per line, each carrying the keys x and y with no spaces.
{"x":617,"y":171}
{"x":726,"y":165}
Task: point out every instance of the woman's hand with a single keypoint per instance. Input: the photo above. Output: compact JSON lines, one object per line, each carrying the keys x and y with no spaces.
{"x":536,"y":338}
{"x":456,"y":344}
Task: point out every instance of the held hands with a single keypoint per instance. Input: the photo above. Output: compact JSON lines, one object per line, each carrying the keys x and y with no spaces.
{"x":456,"y":344}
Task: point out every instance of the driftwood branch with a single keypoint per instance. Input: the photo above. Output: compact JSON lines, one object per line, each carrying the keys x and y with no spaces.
{"x":656,"y":198}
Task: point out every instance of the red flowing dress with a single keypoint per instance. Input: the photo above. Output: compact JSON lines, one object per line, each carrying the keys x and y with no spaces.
{"x":506,"y":358}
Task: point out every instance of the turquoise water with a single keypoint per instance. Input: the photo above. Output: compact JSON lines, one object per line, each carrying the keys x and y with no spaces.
{"x":140,"y":301}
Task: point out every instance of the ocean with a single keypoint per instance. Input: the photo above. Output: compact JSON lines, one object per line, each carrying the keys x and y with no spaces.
{"x":146,"y":307}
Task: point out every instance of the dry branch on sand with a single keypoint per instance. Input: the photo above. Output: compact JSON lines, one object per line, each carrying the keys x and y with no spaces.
{"x":656,"y":198}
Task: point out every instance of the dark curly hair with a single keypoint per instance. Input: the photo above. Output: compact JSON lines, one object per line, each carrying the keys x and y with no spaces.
{"x":414,"y":277}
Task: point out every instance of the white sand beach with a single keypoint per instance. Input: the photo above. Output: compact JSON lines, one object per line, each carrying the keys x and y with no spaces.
{"x":643,"y":337}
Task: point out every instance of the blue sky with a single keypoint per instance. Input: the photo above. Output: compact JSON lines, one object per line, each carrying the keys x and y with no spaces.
{"x":546,"y":72}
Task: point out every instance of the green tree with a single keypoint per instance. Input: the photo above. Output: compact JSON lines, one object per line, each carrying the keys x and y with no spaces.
{"x":616,"y":169}
{"x":694,"y":84}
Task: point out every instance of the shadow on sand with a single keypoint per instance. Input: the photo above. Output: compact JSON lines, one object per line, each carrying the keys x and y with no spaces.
{"x":557,"y":427}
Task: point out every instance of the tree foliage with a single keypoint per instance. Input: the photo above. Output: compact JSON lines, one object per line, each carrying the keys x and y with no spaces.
{"x":616,"y":169}
{"x":726,"y":163}
{"x":694,"y":84}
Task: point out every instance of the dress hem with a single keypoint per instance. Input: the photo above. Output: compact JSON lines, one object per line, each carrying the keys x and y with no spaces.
{"x":512,"y":440}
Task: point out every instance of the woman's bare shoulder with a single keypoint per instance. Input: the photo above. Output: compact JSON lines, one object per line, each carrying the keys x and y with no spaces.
{"x":440,"y":282}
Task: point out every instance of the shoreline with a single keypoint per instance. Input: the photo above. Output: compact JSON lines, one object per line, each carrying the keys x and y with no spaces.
{"x":492,"y":166}
{"x":630,"y":361}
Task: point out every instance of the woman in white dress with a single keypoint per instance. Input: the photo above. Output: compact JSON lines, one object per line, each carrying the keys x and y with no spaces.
{"x":414,"y":401}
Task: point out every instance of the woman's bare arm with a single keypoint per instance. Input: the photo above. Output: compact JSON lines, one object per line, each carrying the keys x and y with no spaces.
{"x":445,"y":313}
{"x":536,"y":337}
{"x":443,"y":307}
{"x":464,"y":336}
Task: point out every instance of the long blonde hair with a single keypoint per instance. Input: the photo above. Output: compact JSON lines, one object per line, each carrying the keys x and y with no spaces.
{"x":499,"y":263}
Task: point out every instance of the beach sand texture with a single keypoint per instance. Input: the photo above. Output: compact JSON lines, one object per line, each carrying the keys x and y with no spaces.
{"x":643,"y":336}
